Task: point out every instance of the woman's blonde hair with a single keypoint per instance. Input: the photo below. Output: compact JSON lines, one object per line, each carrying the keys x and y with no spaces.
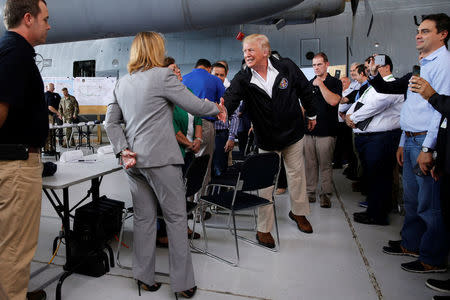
{"x":147,"y":51}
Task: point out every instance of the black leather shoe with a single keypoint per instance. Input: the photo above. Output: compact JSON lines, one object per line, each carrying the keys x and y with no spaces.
{"x":37,"y":295}
{"x":395,"y":248}
{"x":439,"y":285}
{"x":364,"y":218}
{"x":419,"y":267}
{"x":396,"y":243}
{"x":441,"y":298}
{"x":359,"y":214}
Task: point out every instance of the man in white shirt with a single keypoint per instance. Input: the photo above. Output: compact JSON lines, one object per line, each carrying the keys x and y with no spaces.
{"x":348,"y":97}
{"x":375,"y":119}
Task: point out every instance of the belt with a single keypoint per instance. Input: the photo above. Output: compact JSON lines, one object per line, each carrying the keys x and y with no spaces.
{"x":368,"y":133}
{"x":375,"y":132}
{"x":34,"y":150}
{"x":411,"y":134}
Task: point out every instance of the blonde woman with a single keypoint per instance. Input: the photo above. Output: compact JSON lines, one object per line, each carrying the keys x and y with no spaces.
{"x":144,"y":100}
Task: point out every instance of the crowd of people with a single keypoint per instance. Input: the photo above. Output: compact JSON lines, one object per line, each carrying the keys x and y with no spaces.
{"x":372,"y":122}
{"x":392,"y":121}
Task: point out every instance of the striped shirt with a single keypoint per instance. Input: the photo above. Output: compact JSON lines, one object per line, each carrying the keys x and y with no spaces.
{"x":232,"y":125}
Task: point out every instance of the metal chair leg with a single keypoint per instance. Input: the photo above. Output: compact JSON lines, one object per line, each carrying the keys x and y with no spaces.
{"x":205,"y":249}
{"x":277,"y":247}
{"x":276,"y":226}
{"x":125,"y":216}
{"x":235,"y":237}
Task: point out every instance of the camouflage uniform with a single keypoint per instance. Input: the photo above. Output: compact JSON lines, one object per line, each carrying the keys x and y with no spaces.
{"x":68,"y":108}
{"x":49,"y":146}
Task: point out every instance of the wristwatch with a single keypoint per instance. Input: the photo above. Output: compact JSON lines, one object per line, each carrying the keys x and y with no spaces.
{"x":426,"y":150}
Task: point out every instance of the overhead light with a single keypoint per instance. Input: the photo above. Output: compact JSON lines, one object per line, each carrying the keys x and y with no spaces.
{"x":115,"y":63}
{"x":376,"y":45}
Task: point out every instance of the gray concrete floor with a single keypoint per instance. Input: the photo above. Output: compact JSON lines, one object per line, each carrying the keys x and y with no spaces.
{"x":340,"y":260}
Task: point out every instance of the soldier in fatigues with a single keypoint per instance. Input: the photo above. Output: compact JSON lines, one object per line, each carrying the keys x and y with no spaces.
{"x":69,"y":110}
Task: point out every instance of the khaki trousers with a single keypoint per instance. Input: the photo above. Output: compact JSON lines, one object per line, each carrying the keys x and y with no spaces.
{"x":20,"y":211}
{"x":294,"y":162}
{"x":319,"y":151}
{"x":207,"y":146}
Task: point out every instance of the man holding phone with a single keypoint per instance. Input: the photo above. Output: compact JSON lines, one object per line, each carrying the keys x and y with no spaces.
{"x":380,"y":60}
{"x":423,"y":233}
{"x":374,"y":118}
{"x":442,"y":168}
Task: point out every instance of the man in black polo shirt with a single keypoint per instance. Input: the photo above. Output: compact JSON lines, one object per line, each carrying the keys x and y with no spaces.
{"x":52,"y":99}
{"x":23,"y":121}
{"x":320,"y":142}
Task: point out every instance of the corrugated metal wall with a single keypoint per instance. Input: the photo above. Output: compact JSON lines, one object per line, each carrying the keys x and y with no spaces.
{"x":393,"y":30}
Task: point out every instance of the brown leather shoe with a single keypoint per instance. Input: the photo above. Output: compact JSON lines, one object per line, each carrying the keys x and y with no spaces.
{"x":280,"y":191}
{"x":302,"y":223}
{"x":265,"y":239}
{"x":325,"y":201}
{"x":312,"y":198}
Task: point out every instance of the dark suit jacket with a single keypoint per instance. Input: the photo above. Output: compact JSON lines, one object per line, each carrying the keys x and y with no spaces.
{"x":442,"y":104}
{"x":398,"y":86}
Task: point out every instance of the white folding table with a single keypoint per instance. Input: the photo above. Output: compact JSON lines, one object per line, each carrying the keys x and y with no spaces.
{"x":67,"y":175}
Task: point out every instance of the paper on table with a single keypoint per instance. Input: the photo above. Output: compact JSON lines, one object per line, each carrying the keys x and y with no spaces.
{"x":71,"y":156}
{"x":105,"y":150}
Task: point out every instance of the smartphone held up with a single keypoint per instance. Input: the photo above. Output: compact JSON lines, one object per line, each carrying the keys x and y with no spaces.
{"x":380,"y":60}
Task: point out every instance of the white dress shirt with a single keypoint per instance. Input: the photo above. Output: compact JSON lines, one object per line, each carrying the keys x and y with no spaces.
{"x":343,"y":107}
{"x":385,"y":109}
{"x":265,"y":85}
{"x":226,"y":83}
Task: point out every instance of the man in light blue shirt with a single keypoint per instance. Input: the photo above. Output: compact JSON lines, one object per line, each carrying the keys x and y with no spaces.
{"x":423,"y":233}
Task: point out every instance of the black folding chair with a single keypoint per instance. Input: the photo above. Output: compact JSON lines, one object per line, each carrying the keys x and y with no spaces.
{"x":258,"y":171}
{"x":194,"y":179}
{"x":229,"y":179}
{"x":250,"y":147}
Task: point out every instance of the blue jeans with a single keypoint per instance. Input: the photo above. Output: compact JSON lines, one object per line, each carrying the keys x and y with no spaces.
{"x":423,"y":229}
